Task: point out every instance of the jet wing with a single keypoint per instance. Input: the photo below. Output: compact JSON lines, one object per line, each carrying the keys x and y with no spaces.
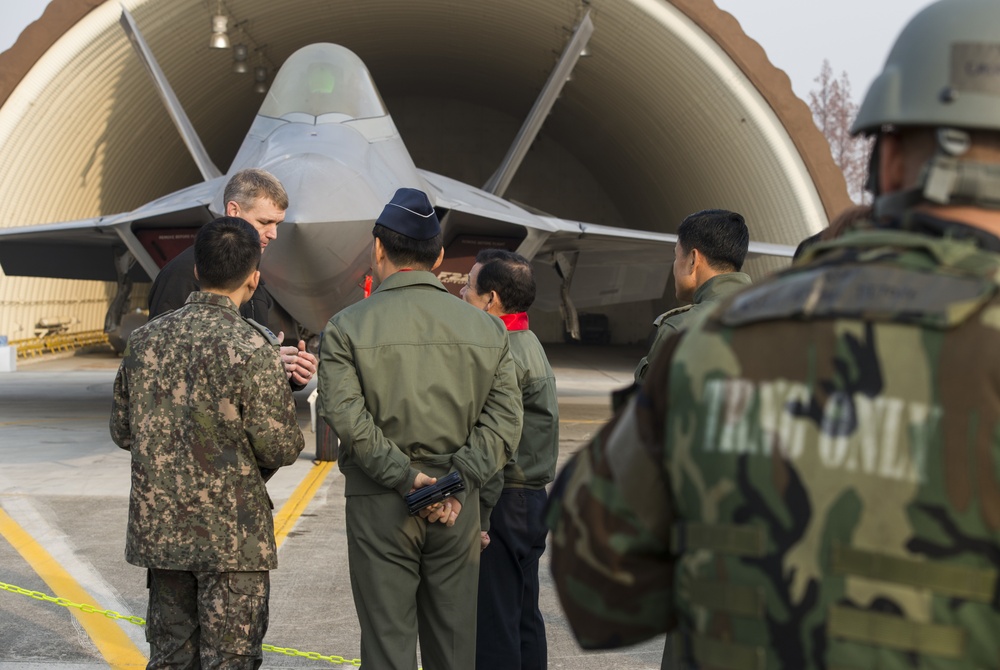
{"x":611,"y":265}
{"x":87,"y":249}
{"x":580,"y":236}
{"x":617,"y":265}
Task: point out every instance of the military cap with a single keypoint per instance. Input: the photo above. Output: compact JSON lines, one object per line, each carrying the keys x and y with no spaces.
{"x":410,"y":213}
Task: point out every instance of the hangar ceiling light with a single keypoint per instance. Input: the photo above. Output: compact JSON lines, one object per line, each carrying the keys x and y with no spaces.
{"x":260,"y":77}
{"x":220,"y":29}
{"x":240,"y":52}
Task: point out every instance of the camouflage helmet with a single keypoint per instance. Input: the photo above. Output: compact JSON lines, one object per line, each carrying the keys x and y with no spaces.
{"x":943,"y":71}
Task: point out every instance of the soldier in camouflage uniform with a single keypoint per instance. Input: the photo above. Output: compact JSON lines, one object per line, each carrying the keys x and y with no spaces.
{"x":510,"y":627}
{"x":202,"y":402}
{"x":711,"y":247}
{"x":810,"y":475}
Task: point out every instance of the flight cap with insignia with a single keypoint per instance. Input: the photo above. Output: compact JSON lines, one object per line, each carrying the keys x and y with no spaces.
{"x":410,"y":213}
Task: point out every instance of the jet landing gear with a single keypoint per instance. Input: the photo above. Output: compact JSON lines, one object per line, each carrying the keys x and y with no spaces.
{"x":565,"y":265}
{"x":119,"y":322}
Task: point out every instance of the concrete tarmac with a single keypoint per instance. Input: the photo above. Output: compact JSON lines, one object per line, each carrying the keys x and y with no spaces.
{"x":64,"y":494}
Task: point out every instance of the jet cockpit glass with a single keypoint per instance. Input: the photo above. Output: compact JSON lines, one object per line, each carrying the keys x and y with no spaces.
{"x":322,"y":79}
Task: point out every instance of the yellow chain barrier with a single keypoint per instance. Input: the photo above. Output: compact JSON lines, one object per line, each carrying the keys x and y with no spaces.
{"x":139,"y":621}
{"x":316,"y":656}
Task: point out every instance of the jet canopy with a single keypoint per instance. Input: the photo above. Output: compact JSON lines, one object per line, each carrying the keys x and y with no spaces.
{"x":323,"y":79}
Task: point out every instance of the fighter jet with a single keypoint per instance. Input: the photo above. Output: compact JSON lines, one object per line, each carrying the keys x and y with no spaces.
{"x":324,"y":131}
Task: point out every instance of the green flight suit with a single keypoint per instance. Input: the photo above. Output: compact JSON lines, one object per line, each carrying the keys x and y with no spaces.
{"x":537,"y":452}
{"x":413,"y":379}
{"x":511,"y":629}
{"x":810,"y":475}
{"x":676,"y":320}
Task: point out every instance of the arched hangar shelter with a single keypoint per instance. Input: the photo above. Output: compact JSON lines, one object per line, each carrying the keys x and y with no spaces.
{"x":674,"y":110}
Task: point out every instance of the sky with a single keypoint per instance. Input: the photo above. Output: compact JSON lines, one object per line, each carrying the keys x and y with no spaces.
{"x":854,"y":35}
{"x":14,"y":16}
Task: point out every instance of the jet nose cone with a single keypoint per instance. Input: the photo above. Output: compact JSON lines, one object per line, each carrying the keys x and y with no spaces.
{"x":324,"y":189}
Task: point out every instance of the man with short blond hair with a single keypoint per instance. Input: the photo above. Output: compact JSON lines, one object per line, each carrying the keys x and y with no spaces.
{"x":248,"y":185}
{"x":258,"y":197}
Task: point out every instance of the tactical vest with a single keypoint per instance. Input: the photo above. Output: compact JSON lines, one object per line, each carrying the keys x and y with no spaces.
{"x":833,"y":446}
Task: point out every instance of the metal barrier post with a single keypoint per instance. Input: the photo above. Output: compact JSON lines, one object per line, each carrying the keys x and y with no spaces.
{"x":8,"y":356}
{"x":326,"y":440}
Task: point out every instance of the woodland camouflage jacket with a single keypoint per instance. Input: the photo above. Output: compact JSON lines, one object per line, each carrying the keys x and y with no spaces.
{"x":202,"y":402}
{"x":810,"y":475}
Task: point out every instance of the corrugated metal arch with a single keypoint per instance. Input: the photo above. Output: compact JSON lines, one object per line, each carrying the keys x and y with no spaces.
{"x":675,"y":110}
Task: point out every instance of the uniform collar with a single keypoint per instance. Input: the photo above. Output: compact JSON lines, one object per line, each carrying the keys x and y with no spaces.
{"x":206,"y":298}
{"x":516,"y":321}
{"x":720,"y":286}
{"x":410,"y":278}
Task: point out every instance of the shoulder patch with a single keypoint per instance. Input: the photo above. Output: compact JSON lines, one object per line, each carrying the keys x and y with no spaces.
{"x":674,"y":312}
{"x":265,"y":331}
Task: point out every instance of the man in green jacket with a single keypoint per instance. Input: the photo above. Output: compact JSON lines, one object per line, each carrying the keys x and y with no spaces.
{"x":810,"y":475}
{"x":711,"y":247}
{"x":416,"y":384}
{"x":202,"y":402}
{"x":511,"y":631}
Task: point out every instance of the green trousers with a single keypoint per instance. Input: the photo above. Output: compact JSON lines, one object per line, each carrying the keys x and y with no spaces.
{"x":411,"y":578}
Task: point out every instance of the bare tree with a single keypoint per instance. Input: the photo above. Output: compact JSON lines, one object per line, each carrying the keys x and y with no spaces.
{"x":834,"y":110}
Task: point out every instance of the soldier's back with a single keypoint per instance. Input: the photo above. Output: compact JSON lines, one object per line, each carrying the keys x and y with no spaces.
{"x":195,"y":377}
{"x":831,"y":443}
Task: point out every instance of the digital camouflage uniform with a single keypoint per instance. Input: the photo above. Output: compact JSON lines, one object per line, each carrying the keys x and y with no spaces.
{"x":676,"y":320}
{"x":511,"y":630}
{"x":202,"y":402}
{"x":413,"y":379}
{"x":810,"y":476}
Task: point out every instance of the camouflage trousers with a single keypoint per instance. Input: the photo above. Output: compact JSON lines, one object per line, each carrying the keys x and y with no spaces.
{"x":206,"y":620}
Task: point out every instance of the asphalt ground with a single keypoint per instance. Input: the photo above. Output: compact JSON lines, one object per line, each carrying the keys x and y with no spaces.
{"x":64,"y":503}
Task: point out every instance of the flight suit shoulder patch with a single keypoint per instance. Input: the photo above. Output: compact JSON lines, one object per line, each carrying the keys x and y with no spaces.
{"x":674,"y":312}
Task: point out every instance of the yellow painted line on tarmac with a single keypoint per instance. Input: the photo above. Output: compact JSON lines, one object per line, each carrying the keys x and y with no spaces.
{"x":586,"y":421}
{"x":116,"y":648}
{"x":290,"y":512}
